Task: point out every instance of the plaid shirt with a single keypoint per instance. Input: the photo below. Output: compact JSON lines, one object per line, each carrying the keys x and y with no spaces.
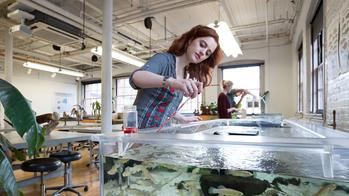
{"x":155,"y":105}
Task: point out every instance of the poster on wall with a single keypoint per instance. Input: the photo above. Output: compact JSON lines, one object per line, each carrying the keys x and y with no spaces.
{"x":63,"y":103}
{"x":344,"y":39}
{"x":332,"y":48}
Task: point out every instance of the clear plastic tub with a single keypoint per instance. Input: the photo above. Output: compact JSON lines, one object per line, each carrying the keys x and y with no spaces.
{"x":286,"y":162}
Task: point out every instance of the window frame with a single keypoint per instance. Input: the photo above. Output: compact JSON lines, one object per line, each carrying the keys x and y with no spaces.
{"x":301,"y":75}
{"x":116,"y":92}
{"x":84,"y":83}
{"x":317,"y":65}
{"x":260,"y":104}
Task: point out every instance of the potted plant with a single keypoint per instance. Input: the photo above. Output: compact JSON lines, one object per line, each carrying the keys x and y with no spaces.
{"x":96,"y":109}
{"x":19,"y":112}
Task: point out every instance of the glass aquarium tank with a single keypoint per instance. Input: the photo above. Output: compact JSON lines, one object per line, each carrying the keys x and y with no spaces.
{"x":226,"y":157}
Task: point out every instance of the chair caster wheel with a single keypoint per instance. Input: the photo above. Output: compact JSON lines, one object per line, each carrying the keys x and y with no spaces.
{"x":86,"y":188}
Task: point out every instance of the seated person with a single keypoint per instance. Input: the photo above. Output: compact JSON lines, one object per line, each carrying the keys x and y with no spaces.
{"x":224,"y":106}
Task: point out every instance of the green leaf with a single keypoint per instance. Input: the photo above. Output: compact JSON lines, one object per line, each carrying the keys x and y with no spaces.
{"x":20,"y":155}
{"x":7,"y":177}
{"x":18,"y":111}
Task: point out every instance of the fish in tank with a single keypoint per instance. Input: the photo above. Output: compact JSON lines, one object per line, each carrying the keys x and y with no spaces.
{"x":151,"y":169}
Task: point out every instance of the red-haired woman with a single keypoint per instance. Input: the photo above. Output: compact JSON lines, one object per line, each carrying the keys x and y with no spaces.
{"x":183,"y":70}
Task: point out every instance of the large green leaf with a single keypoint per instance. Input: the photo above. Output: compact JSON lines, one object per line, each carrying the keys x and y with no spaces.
{"x":7,"y":178}
{"x":18,"y":111}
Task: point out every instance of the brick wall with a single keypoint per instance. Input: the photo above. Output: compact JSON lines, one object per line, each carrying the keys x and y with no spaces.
{"x":337,"y":61}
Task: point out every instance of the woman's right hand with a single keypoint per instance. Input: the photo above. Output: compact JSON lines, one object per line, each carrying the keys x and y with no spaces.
{"x":189,"y":87}
{"x":233,"y":109}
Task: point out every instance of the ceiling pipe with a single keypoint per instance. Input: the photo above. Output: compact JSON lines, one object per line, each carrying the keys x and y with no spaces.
{"x":266,"y":23}
{"x":55,"y":11}
{"x":33,"y":54}
{"x":292,"y":28}
{"x":127,"y":25}
{"x":72,"y":53}
{"x":92,"y":6}
{"x":134,"y":10}
{"x":259,"y":24}
{"x":257,"y":35}
{"x":45,"y":59}
{"x":141,"y":14}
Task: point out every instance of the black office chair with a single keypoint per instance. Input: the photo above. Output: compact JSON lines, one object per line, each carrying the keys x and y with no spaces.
{"x":67,"y":157}
{"x":41,"y":165}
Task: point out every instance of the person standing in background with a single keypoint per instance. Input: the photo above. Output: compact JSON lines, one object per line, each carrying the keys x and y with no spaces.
{"x":236,"y":93}
{"x":224,"y":106}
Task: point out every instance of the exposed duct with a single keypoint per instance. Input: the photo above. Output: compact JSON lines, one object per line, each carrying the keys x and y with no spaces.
{"x":53,"y":30}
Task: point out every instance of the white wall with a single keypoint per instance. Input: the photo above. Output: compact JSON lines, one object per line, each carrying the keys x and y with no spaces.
{"x":278,"y":78}
{"x":40,"y":88}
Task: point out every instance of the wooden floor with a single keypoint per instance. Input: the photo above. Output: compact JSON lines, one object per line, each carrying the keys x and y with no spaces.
{"x":81,"y":175}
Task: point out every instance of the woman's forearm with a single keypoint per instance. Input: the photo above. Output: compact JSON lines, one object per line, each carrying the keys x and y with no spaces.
{"x":146,"y":79}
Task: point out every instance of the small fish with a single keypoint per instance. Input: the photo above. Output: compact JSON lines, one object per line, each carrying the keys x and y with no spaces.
{"x":239,"y":173}
{"x":221,"y":190}
{"x":273,"y":192}
{"x":113,"y":170}
{"x":196,"y":170}
{"x":326,"y":190}
{"x":117,"y":164}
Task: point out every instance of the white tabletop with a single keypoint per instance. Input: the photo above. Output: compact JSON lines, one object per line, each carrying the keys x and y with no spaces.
{"x":53,"y":139}
{"x":89,"y":129}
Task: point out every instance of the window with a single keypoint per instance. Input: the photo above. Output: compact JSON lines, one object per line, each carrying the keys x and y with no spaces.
{"x":300,"y":78}
{"x":317,"y":72}
{"x":125,"y":94}
{"x":92,"y":93}
{"x":246,"y":77}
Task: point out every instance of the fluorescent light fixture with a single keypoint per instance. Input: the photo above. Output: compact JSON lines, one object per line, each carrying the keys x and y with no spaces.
{"x":121,"y":56}
{"x":227,"y":40}
{"x":52,"y":69}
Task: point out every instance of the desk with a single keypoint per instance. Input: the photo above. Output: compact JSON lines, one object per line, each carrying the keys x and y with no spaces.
{"x":208,"y":117}
{"x":53,"y":139}
{"x":96,"y":130}
{"x":91,"y":129}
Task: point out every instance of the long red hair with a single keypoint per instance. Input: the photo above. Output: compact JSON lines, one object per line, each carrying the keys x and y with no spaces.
{"x":203,"y":70}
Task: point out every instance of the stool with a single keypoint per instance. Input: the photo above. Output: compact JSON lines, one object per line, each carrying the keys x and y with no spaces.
{"x":67,"y":157}
{"x":41,"y":165}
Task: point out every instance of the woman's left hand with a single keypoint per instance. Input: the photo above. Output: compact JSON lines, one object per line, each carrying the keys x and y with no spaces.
{"x":188,"y":119}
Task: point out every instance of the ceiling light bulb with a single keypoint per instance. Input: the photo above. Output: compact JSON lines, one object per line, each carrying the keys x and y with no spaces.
{"x":53,"y":75}
{"x":227,"y":40}
{"x":121,"y":56}
{"x":29,"y":71}
{"x":52,"y":69}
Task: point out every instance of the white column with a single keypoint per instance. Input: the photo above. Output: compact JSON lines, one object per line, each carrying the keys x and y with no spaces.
{"x":107,"y":67}
{"x":8,"y":57}
{"x":78,"y":93}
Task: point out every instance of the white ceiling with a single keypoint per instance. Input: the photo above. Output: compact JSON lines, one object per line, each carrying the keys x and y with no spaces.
{"x":247,"y":19}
